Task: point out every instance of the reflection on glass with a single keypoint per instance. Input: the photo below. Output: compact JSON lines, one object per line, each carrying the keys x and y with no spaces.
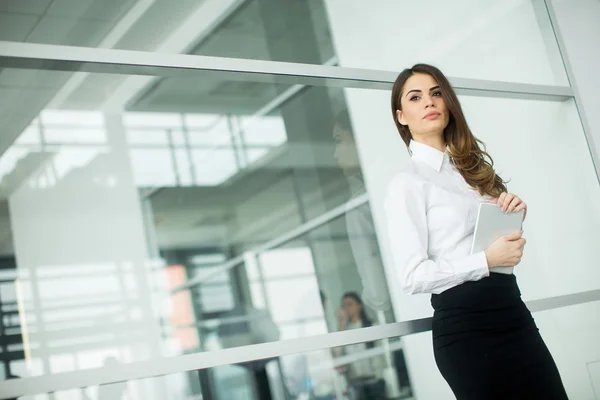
{"x":203,"y":155}
{"x":359,"y":222}
{"x":314,"y":375}
{"x":329,"y":374}
{"x":322,"y":31}
{"x":113,"y":210}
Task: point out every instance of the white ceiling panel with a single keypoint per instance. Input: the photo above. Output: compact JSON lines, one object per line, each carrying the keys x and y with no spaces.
{"x":63,"y":30}
{"x":110,"y":10}
{"x":51,"y":30}
{"x":69,"y":8}
{"x":24,"y":6}
{"x":15,"y":27}
{"x":87,"y":33}
{"x":24,"y":79}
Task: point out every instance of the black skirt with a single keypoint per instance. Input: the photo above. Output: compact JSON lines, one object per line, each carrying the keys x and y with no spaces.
{"x":487,"y":346}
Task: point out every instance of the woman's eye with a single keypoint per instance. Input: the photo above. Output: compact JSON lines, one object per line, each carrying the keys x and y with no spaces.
{"x":414,"y":98}
{"x":437,"y":94}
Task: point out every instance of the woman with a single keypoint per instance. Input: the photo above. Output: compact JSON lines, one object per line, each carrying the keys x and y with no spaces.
{"x":486,"y":344}
{"x":364,"y":374}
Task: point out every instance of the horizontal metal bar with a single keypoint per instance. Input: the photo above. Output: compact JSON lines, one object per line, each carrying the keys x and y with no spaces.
{"x":71,"y":58}
{"x":370,"y":353}
{"x":243,"y":354}
{"x":565,"y":300}
{"x":278,"y":241}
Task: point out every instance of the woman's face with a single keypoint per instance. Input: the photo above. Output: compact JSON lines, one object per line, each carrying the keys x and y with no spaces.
{"x":351,"y":307}
{"x":345,"y":150}
{"x":423,"y":108}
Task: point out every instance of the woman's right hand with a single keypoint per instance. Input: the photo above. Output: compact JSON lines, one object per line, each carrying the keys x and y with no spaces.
{"x":506,"y":251}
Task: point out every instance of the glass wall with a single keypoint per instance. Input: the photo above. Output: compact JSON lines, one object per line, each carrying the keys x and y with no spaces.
{"x":467,"y":38}
{"x":149,"y":218}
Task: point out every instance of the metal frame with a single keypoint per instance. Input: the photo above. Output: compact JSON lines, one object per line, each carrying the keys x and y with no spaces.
{"x":191,"y":362}
{"x":574,"y":88}
{"x":97,"y":60}
{"x":70,"y":58}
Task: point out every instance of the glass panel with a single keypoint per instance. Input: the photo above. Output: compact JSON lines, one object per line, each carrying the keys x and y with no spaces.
{"x":104,"y":226}
{"x":299,"y":289}
{"x":375,"y":369}
{"x":116,"y":203}
{"x":467,"y":38}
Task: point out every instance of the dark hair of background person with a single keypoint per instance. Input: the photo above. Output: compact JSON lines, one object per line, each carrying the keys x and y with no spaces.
{"x":366,"y":322}
{"x":468,"y":153}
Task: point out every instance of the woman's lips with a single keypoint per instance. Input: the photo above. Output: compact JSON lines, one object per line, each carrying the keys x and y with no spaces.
{"x":432,"y":115}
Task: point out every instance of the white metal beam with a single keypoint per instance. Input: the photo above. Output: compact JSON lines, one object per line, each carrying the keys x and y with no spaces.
{"x":70,"y":58}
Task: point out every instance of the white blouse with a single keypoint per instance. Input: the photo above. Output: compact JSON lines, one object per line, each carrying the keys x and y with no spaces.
{"x":431,"y":213}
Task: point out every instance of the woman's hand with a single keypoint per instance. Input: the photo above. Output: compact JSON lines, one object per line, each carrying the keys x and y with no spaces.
{"x":506,"y":251}
{"x":510,"y":202}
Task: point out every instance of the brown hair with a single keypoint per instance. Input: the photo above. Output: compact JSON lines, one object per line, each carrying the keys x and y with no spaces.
{"x":474,"y":163}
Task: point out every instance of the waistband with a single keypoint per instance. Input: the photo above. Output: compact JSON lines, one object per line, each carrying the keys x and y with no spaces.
{"x":493,"y":292}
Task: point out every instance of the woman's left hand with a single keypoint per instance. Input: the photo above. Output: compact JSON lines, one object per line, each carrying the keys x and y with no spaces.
{"x":510,"y":203}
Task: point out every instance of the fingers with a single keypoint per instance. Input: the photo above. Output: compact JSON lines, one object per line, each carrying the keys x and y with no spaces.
{"x":500,"y":199}
{"x":509,"y":202}
{"x":518,"y":254}
{"x":522,"y":206}
{"x":516,"y":201}
{"x":514,"y":236}
{"x":506,"y":202}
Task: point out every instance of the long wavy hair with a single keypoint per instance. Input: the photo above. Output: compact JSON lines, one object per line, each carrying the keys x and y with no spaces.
{"x":468,"y":153}
{"x":364,"y":319}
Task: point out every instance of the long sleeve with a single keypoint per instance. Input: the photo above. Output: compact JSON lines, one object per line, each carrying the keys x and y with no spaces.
{"x":406,"y":209}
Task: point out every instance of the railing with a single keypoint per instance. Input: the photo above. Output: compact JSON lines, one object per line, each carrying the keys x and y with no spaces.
{"x":191,"y":362}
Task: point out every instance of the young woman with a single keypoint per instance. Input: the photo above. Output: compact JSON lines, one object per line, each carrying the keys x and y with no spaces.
{"x":363,"y":375}
{"x":486,"y":343}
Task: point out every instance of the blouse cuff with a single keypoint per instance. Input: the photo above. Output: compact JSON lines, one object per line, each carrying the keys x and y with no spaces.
{"x":479,"y":265}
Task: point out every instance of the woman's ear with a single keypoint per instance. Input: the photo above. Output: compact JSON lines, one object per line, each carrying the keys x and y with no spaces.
{"x":399,"y":117}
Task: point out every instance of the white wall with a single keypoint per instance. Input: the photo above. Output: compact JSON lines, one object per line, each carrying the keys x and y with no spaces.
{"x":495,"y":40}
{"x":539,"y":145}
{"x":578,"y":21}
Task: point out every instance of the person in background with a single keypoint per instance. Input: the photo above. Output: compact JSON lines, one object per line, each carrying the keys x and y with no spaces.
{"x":363,"y":375}
{"x":359,"y":222}
{"x":365,"y":249}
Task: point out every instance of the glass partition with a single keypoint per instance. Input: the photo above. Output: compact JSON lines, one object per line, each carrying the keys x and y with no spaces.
{"x":153,"y":217}
{"x":117,"y":199}
{"x":510,"y":41}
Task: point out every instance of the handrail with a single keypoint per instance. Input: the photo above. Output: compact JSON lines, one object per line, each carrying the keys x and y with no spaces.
{"x":243,"y":354}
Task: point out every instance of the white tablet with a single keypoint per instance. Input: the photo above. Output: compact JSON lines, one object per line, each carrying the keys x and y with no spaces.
{"x":492,"y":222}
